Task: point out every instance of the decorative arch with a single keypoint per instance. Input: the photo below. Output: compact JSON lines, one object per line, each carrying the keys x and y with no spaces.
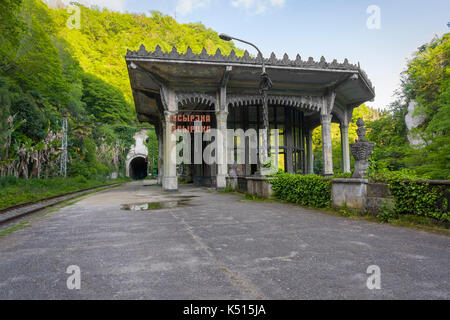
{"x":339,"y":114}
{"x":303,"y":102}
{"x":184,"y":98}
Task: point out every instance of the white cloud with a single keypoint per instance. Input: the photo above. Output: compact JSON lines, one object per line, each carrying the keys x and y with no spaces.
{"x":184,"y":7}
{"x":257,"y":6}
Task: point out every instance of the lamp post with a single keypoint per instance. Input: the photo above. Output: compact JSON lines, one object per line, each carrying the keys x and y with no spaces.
{"x":265,"y":85}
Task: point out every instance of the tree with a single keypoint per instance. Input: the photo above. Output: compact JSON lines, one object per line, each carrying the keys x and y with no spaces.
{"x":12,"y":28}
{"x":104,"y":101}
{"x":426,"y":82}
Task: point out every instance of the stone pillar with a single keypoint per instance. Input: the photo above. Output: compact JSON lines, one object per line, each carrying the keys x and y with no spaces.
{"x":289,"y":141}
{"x":159,"y":131}
{"x":325,"y":120}
{"x":170,"y":180}
{"x":345,"y":149}
{"x":309,"y":152}
{"x":222,"y":164}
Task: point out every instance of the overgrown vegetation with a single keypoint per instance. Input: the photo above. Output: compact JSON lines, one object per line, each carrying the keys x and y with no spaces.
{"x":414,"y":197}
{"x":307,"y":190}
{"x":15,"y":191}
{"x":386,"y":213}
{"x":426,"y":82}
{"x":401,"y":163}
{"x":152,"y":147}
{"x":49,"y":71}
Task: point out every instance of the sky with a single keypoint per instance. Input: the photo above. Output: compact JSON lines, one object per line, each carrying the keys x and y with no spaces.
{"x":379,"y":34}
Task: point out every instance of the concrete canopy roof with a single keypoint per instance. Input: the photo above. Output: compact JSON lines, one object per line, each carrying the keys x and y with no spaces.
{"x":205,"y":73}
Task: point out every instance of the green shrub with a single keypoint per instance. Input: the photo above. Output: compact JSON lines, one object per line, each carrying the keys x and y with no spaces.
{"x":308,"y":190}
{"x":420,"y":199}
{"x":80,"y":179}
{"x":412,"y":197}
{"x":386,"y":213}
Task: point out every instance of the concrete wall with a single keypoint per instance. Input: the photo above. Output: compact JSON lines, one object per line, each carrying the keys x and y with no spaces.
{"x":359,"y":194}
{"x":350,"y":193}
{"x":260,"y":187}
{"x":255,"y":186}
{"x":377,"y":195}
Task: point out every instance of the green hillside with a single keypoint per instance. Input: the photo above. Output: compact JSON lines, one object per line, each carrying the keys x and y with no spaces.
{"x":49,"y":70}
{"x":101,"y":42}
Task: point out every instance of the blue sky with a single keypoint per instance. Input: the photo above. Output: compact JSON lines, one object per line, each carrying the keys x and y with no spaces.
{"x":336,"y":29}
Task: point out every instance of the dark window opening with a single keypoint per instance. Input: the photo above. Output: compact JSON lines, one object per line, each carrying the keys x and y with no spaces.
{"x":290,"y":124}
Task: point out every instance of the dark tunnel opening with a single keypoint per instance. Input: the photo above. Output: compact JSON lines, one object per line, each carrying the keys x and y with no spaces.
{"x":138,"y":168}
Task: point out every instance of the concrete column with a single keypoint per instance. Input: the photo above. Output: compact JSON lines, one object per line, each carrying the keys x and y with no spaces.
{"x":345,"y":149}
{"x":170,"y":180}
{"x":289,"y":141}
{"x":222,"y":164}
{"x":309,"y":152}
{"x":159,"y":131}
{"x":325,"y":120}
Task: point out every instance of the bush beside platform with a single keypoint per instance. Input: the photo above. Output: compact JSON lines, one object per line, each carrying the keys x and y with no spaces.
{"x":386,"y":199}
{"x":307,"y":190}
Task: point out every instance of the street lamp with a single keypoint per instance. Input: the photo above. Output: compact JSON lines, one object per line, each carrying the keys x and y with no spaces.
{"x":265,"y":85}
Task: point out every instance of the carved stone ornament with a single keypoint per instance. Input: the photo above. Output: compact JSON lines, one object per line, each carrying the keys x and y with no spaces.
{"x":361,"y":151}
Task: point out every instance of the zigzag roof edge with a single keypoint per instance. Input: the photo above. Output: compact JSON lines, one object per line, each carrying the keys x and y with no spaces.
{"x":158,"y":53}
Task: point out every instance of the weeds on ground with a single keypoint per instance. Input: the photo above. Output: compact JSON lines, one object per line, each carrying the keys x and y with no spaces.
{"x":386,"y":213}
{"x":15,"y":191}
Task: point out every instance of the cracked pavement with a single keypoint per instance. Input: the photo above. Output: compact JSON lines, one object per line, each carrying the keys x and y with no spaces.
{"x":216,"y":246}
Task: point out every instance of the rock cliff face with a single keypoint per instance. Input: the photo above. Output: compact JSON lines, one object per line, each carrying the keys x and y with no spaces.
{"x":413,"y":121}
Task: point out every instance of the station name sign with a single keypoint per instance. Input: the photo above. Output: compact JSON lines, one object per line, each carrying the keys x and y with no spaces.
{"x":185,"y":122}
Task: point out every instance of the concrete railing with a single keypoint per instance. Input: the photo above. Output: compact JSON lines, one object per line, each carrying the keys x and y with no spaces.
{"x":363,"y":195}
{"x":358,"y":194}
{"x":255,"y":186}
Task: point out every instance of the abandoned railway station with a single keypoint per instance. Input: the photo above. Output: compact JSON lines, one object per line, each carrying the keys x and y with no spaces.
{"x":224,"y":90}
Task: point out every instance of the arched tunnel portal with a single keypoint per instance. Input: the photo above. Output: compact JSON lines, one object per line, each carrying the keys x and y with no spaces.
{"x":138,"y":168}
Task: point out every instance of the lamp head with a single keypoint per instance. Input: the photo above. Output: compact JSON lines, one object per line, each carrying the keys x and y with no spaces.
{"x":225,"y":37}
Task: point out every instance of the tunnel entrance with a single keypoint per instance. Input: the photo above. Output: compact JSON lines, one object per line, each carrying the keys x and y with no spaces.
{"x":138,"y":168}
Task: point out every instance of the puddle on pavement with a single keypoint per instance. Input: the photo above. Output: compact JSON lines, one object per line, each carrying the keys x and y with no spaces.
{"x":149,"y":206}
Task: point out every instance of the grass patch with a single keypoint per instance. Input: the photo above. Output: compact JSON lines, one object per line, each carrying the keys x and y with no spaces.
{"x":21,"y":225}
{"x":246,"y":196}
{"x":250,"y":197}
{"x":228,"y":189}
{"x":422,"y":223}
{"x":408,"y":221}
{"x":68,"y":202}
{"x":14,"y":191}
